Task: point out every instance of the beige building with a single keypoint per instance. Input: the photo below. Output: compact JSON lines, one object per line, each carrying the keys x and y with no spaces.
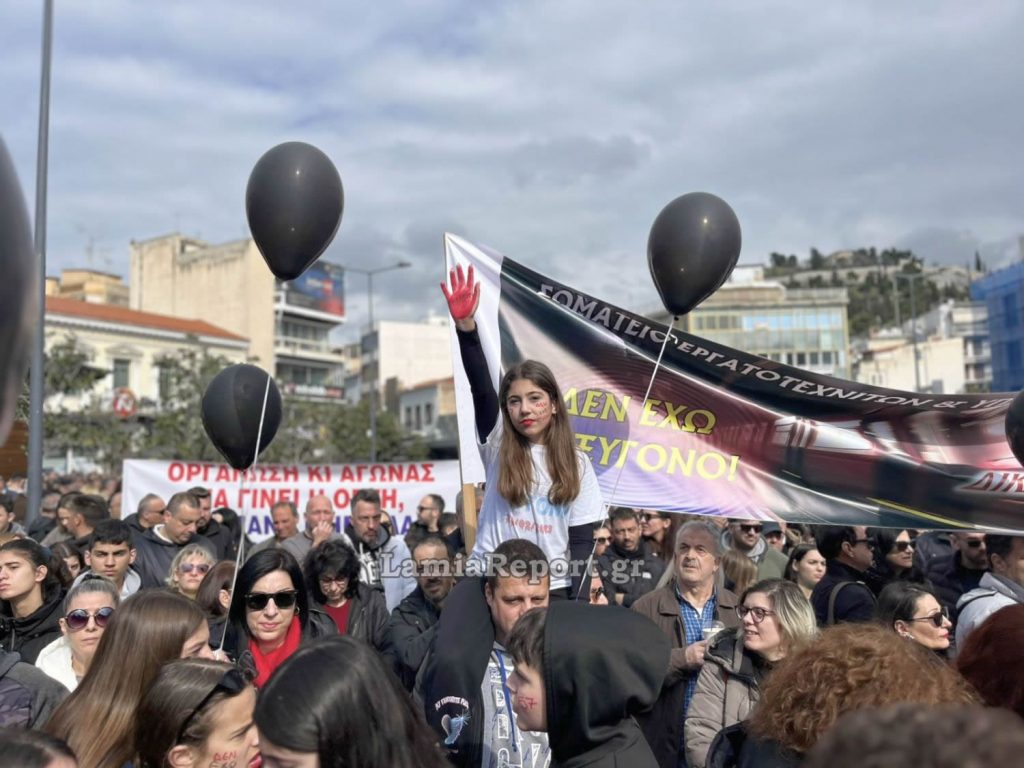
{"x":889,"y":363}
{"x":129,"y":345}
{"x":89,"y":285}
{"x":287,"y":324}
{"x":400,"y":356}
{"x":802,"y":327}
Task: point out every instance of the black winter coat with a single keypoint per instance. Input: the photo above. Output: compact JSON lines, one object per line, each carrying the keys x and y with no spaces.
{"x":29,"y":635}
{"x":410,"y":632}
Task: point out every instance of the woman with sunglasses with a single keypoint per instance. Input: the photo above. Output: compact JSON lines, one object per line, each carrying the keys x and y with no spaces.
{"x":894,"y":558}
{"x":197,"y":713}
{"x":188,"y":568}
{"x":270,"y":615}
{"x":150,"y":628}
{"x":777,"y":620}
{"x":357,"y":715}
{"x":914,"y":613}
{"x":30,"y":598}
{"x":87,"y":609}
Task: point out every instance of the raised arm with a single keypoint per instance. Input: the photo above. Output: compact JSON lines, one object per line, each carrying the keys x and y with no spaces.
{"x":463,"y":298}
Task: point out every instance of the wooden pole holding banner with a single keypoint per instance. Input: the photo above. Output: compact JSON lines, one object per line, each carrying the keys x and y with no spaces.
{"x":469,"y":519}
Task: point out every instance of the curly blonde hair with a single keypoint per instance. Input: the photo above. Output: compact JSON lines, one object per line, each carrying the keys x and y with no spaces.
{"x":850,"y":667}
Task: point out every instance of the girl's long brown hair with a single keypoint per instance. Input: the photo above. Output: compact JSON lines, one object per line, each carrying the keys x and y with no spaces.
{"x":515,"y":480}
{"x":98,"y":719}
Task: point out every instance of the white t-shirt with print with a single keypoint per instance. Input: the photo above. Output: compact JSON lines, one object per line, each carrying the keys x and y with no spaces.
{"x":538,"y":520}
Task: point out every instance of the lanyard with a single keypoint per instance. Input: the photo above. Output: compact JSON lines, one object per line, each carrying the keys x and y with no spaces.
{"x":513,"y":728}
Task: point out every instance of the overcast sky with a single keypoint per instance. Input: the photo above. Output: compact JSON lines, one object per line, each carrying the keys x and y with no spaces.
{"x":551,"y":131}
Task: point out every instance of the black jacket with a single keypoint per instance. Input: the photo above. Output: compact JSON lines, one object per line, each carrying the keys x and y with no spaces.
{"x":28,"y":696}
{"x":29,"y":635}
{"x":367,"y":616}
{"x":236,"y":641}
{"x":223,"y":540}
{"x":454,"y":670}
{"x":854,"y":602}
{"x":631,"y":574}
{"x":154,"y":556}
{"x":602,"y":666}
{"x":733,"y":748}
{"x":410,"y":632}
{"x":951,"y":580}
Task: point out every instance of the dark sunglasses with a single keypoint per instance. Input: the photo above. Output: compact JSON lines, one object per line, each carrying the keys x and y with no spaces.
{"x":421,"y":508}
{"x":257,"y":601}
{"x":866,"y":542}
{"x":936,"y":618}
{"x":79,"y":618}
{"x":903,"y":546}
{"x":750,"y":528}
{"x":232,"y":682}
{"x":201,"y":568}
{"x":975,"y":543}
{"x":602,"y":539}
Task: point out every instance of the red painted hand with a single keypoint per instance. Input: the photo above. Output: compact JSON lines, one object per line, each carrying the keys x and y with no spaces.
{"x":464,"y":296}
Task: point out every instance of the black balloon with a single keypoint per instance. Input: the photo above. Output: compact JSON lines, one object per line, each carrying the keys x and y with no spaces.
{"x":692,"y":249}
{"x":232,"y":404}
{"x":1014,"y":426}
{"x":293,"y":202}
{"x":18,"y":291}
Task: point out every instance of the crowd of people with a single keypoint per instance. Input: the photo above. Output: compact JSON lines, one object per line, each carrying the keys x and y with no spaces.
{"x":567,"y":633}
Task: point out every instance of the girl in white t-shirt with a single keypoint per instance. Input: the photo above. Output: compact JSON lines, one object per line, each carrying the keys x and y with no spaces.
{"x":540,"y":487}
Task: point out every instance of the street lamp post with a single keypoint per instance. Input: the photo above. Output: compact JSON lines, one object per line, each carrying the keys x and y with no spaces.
{"x":913,"y":278}
{"x":376,"y":372}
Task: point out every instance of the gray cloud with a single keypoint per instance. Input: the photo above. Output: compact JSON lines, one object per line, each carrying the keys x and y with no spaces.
{"x":553,"y":132}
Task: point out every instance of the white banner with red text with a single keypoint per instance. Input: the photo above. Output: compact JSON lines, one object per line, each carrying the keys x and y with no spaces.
{"x":401,"y":486}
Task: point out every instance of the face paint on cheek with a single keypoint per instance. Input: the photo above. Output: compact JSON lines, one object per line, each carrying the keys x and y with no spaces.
{"x":526,"y":703}
{"x":224,"y":759}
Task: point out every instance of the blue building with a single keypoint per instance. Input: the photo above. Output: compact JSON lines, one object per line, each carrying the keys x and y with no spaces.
{"x":1003,"y":293}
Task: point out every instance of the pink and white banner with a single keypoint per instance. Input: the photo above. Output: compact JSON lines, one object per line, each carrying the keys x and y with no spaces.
{"x":401,"y":486}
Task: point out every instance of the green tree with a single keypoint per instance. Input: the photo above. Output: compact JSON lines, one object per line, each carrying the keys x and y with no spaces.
{"x":175,"y":430}
{"x":817,"y":259}
{"x":348,"y":433}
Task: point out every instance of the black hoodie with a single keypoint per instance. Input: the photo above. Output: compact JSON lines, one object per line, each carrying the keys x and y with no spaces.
{"x":29,"y":635}
{"x":602,"y":666}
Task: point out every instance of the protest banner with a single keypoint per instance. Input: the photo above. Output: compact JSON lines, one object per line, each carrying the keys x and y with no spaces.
{"x":401,"y":486}
{"x":728,"y":433}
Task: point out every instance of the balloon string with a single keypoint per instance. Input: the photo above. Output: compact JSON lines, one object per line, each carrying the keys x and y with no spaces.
{"x":618,"y":476}
{"x":241,"y":512}
{"x":647,"y":394}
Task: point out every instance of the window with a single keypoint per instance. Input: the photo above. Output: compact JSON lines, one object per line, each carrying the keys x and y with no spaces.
{"x":789,"y":358}
{"x":122,"y":371}
{"x":408,"y":417}
{"x":428,"y":413}
{"x":801,"y":359}
{"x":826,"y":357}
{"x":419,"y":418}
{"x":814,"y":358}
{"x":163,"y":383}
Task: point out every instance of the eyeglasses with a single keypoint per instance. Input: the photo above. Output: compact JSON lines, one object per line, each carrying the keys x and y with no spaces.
{"x":78,"y":619}
{"x":774,"y":535}
{"x":257,"y":601}
{"x":903,"y":546}
{"x":757,"y":613}
{"x":232,"y":682}
{"x":866,"y":542}
{"x":602,"y":539}
{"x":200,"y":568}
{"x":935,"y":618}
{"x":328,"y":580}
{"x":975,"y":543}
{"x":750,"y":528}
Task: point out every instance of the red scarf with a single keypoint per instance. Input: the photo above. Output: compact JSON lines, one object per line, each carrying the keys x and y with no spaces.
{"x":266,"y":663}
